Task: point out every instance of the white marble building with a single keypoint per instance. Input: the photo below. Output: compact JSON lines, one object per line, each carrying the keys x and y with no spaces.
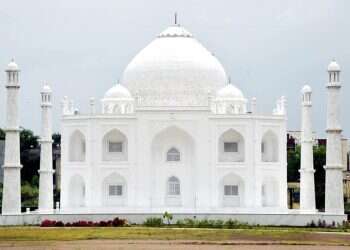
{"x":174,"y":135}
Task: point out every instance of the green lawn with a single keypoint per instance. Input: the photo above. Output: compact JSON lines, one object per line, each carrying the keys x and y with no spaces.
{"x":286,"y":235}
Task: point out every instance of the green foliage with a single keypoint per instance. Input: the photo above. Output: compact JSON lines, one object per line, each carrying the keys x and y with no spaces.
{"x":205,"y":223}
{"x":293,"y":164}
{"x":347,"y":207}
{"x":30,"y":195}
{"x":153,"y":222}
{"x":319,"y":163}
{"x":293,"y":158}
{"x":30,"y":155}
{"x":168,"y":216}
{"x":2,"y":134}
{"x":30,"y":160}
{"x":28,"y":139}
{"x":56,"y":137}
{"x":232,"y":224}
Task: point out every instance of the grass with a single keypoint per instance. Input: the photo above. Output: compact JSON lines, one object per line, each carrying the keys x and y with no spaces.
{"x":286,"y":235}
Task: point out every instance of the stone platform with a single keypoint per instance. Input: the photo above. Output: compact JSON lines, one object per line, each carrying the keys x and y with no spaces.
{"x":290,"y":219}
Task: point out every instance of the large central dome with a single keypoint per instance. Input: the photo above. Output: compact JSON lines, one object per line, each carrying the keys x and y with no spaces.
{"x":174,"y":70}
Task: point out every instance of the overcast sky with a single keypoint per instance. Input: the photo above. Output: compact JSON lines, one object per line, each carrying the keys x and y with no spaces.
{"x":269,"y":48}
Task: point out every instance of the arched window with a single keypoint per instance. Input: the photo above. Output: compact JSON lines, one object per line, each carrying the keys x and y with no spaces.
{"x":77,"y":147}
{"x":173,"y":155}
{"x":174,"y":186}
{"x":232,"y":191}
{"x":269,"y":147}
{"x":114,"y":189}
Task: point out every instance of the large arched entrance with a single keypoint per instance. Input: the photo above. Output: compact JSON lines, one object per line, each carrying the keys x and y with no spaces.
{"x":173,"y":159}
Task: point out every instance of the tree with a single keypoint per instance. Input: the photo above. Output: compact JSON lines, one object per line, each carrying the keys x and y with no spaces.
{"x":320,"y":176}
{"x":28,"y":139}
{"x":293,"y":160}
{"x":30,"y":154}
{"x":2,"y":134}
{"x":56,"y":137}
{"x":293,"y":164}
{"x":29,"y":195}
{"x":168,"y":216}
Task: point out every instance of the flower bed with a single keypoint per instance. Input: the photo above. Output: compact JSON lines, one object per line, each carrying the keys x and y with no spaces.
{"x":116,"y":222}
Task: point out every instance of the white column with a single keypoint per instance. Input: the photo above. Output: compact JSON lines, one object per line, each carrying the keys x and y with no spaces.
{"x":46,"y":171}
{"x":307,"y":181}
{"x":334,"y":201}
{"x":11,"y":196}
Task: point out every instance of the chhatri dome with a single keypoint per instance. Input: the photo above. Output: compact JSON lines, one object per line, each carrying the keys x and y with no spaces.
{"x":306,"y":89}
{"x":230,"y":92}
{"x":174,"y":70}
{"x":118,"y":92}
{"x":333,"y":66}
{"x":12,"y":66}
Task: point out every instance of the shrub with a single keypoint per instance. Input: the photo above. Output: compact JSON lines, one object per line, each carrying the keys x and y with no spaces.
{"x":59,"y":224}
{"x":232,"y":224}
{"x":48,"y":223}
{"x":153,"y":222}
{"x":189,"y":222}
{"x":102,"y":223}
{"x":168,"y":217}
{"x":202,"y":224}
{"x":312,"y":224}
{"x":118,"y":222}
{"x":205,"y":223}
{"x":180,"y":223}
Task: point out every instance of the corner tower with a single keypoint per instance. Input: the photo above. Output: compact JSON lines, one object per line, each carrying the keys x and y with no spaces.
{"x":11,"y":197}
{"x":307,"y":181}
{"x":334,"y":203}
{"x":46,"y":171}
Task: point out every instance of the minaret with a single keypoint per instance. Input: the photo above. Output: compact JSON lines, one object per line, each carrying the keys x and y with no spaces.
{"x":11,"y":196}
{"x":46,"y":171}
{"x":334,"y":202}
{"x":307,"y":181}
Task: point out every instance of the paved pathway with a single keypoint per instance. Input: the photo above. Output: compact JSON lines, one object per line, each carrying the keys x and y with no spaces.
{"x":155,"y":245}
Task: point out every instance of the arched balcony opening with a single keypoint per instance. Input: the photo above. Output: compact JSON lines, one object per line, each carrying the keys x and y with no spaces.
{"x":77,"y":147}
{"x":269,"y":147}
{"x":115,"y":146}
{"x":232,"y":191}
{"x":231,"y":147}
